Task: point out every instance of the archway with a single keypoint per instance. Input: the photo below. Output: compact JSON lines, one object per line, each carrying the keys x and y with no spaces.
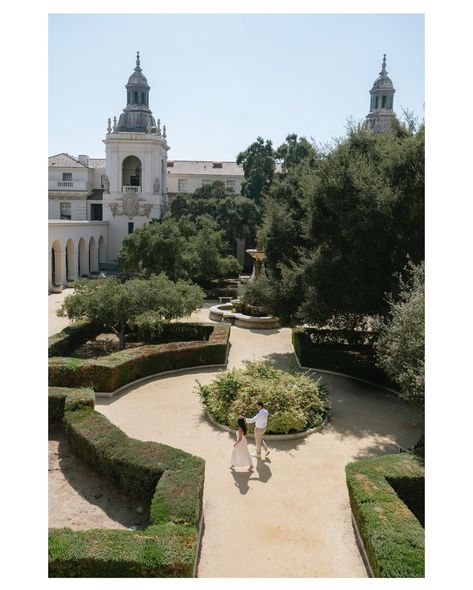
{"x":57,"y":273}
{"x":70,"y":261}
{"x":101,"y":251}
{"x":93,"y":258}
{"x":131,"y":175}
{"x":83,"y":259}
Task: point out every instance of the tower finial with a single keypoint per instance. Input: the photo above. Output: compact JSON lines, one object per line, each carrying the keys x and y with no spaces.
{"x":137,"y":68}
{"x":383,"y":70}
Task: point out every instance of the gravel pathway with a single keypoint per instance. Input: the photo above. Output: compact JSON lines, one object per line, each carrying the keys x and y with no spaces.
{"x":291,"y":518}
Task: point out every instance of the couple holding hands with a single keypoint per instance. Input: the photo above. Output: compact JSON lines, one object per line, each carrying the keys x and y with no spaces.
{"x":240,"y":455}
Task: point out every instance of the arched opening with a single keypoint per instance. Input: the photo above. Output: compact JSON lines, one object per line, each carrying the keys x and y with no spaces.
{"x":131,"y":175}
{"x":93,"y":258}
{"x":83,"y":259}
{"x":56,"y":265}
{"x":70,"y":263}
{"x":101,"y":252}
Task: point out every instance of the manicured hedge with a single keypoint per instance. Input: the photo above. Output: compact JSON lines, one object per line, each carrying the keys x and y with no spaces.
{"x":164,"y":551}
{"x":169,"y":478}
{"x":109,"y":373}
{"x":332,"y":352}
{"x":183,"y":332}
{"x":392,"y":535}
{"x":62,"y":343}
{"x":64,"y":399}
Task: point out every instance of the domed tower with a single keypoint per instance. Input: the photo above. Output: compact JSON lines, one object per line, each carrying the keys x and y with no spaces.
{"x":381,"y":117}
{"x":137,"y":115}
{"x":136,"y":163}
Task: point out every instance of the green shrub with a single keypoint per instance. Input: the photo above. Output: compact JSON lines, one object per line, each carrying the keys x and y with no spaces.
{"x":295,"y":401}
{"x":64,"y":399}
{"x":109,"y":373}
{"x":392,"y":535}
{"x":339,"y":351}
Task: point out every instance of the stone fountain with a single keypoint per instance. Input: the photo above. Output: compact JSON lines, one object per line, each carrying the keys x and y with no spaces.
{"x":259,"y":256}
{"x":232,"y":312}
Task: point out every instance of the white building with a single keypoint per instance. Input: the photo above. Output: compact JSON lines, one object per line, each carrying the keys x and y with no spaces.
{"x":94,"y":203}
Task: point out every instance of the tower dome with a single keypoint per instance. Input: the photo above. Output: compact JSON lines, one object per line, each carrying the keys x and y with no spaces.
{"x":381,"y":116}
{"x":137,"y":115}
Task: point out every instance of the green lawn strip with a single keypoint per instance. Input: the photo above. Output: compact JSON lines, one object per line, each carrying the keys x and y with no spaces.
{"x":392,"y":535}
{"x":167,"y":550}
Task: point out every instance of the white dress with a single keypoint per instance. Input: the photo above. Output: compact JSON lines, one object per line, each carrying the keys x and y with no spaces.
{"x":241,"y":455}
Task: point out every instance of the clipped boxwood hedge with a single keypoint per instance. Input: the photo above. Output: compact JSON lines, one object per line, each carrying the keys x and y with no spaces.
{"x":172,"y":480}
{"x":106,"y":374}
{"x":356,"y":359}
{"x":65,"y":399}
{"x":165,"y":551}
{"x":62,"y":343}
{"x":392,"y":535}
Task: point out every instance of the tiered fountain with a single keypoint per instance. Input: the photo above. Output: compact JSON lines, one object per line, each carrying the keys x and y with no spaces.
{"x":232,"y":312}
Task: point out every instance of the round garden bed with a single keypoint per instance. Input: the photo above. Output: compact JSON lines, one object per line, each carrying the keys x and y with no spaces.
{"x":297,"y":404}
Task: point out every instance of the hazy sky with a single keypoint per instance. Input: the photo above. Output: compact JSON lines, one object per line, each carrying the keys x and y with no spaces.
{"x":219,"y":81}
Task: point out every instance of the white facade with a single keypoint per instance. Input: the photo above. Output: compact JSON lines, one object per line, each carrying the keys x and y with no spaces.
{"x":76,"y":249}
{"x":135,"y":184}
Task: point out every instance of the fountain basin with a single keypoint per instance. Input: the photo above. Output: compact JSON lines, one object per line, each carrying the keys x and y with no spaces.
{"x":224,"y":313}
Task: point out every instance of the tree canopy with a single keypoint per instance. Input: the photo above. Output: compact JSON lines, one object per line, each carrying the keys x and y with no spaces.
{"x":182,"y":248}
{"x":235,"y":215}
{"x":120,"y":304}
{"x":338,"y":226}
{"x":259,"y":166}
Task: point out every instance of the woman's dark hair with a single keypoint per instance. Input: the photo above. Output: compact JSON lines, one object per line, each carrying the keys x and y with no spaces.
{"x":242,"y":425}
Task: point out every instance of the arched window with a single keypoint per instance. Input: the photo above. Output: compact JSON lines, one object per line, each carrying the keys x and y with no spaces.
{"x":376,"y":102}
{"x":383,"y":102}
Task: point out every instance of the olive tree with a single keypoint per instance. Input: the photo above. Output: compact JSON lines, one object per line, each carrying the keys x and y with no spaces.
{"x":121,"y":304}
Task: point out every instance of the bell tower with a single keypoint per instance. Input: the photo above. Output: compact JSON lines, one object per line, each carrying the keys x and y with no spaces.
{"x":136,"y":163}
{"x":381,"y":117}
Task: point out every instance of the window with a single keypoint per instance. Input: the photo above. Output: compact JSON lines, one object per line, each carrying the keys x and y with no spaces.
{"x":383,"y":102}
{"x":376,"y":102}
{"x":67,"y":176}
{"x":65,"y":210}
{"x":96,"y":212}
{"x":231,"y":184}
{"x":136,"y":97}
{"x":131,"y":226}
{"x":182,"y":185}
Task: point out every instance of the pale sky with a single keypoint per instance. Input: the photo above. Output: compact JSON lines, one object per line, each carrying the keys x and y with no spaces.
{"x":220,"y":80}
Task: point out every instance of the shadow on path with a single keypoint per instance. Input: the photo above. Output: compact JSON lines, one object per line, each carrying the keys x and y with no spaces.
{"x":262,"y":474}
{"x":92,"y":487}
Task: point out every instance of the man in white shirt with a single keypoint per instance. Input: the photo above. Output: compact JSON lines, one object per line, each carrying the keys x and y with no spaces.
{"x":261,"y":422}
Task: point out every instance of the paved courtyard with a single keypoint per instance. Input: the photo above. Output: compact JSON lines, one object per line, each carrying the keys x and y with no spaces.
{"x":291,"y":517}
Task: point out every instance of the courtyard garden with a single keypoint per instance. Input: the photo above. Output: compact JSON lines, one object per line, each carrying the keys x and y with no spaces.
{"x":342,"y":232}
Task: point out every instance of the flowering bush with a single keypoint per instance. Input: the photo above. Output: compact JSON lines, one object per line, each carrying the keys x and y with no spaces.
{"x":295,"y":402}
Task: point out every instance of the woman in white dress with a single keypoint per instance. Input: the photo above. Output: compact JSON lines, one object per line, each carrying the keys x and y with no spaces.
{"x":241,"y":455}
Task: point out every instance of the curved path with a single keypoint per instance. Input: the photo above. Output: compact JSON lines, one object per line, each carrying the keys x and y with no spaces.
{"x":291,"y":518}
